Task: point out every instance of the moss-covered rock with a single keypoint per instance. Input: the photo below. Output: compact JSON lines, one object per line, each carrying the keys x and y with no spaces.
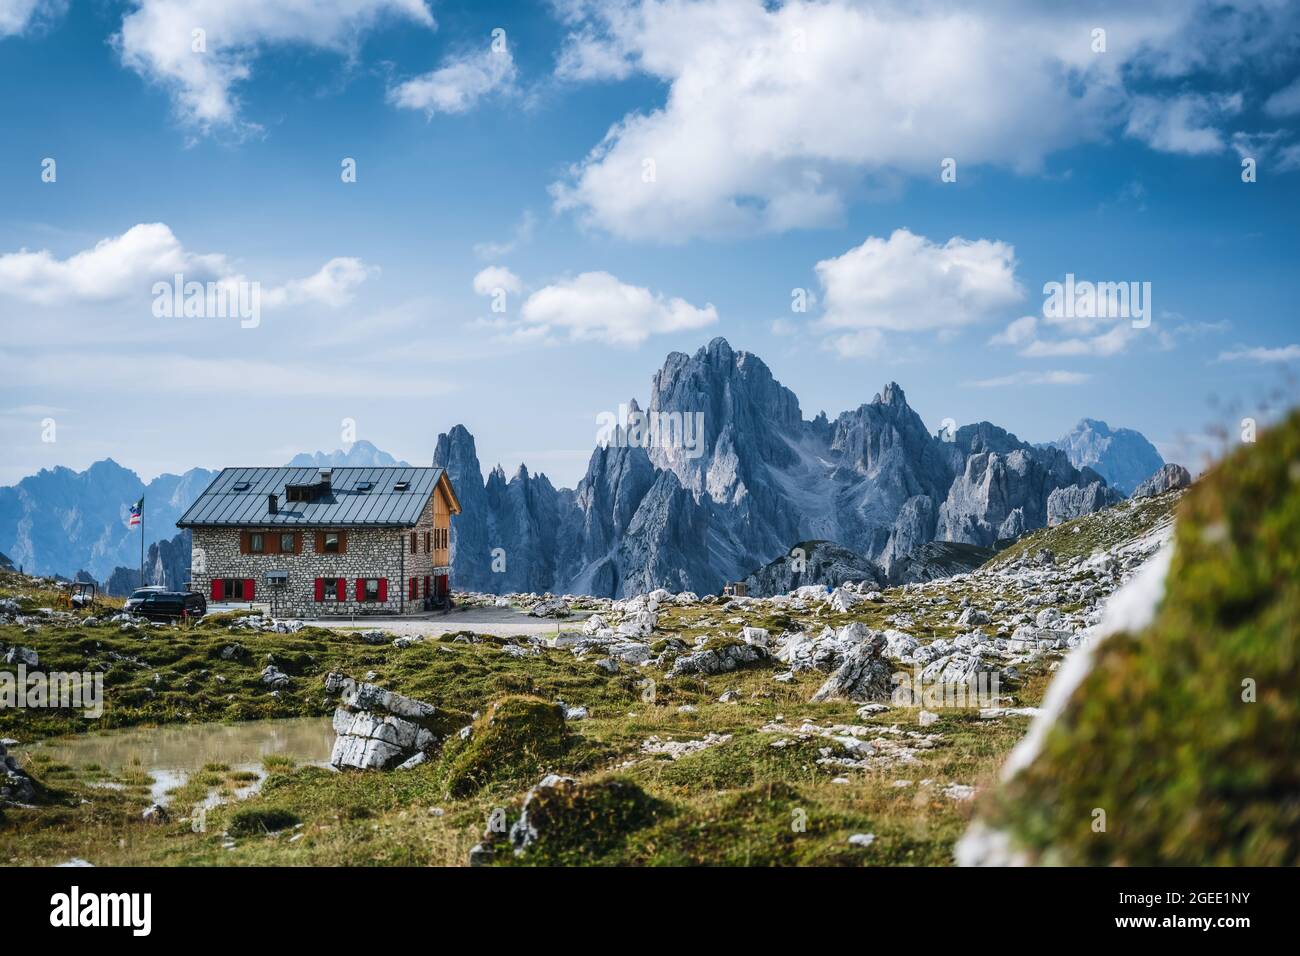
{"x":255,"y":821}
{"x":566,"y":822}
{"x":517,"y":739}
{"x":1185,"y":734}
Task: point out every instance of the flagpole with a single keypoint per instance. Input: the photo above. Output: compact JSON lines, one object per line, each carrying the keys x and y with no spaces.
{"x":141,"y":542}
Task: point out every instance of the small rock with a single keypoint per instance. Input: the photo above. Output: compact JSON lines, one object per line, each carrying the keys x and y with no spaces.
{"x":22,"y":655}
{"x":552,"y":608}
{"x":864,"y":675}
{"x":272,"y":676}
{"x":959,"y":791}
{"x":718,"y":661}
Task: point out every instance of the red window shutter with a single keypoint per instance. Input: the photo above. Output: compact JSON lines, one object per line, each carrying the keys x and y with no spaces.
{"x":217,"y":592}
{"x":342,"y":585}
{"x":361,"y":589}
{"x":320,"y":589}
{"x":383,"y":589}
{"x":412,"y":591}
{"x":249,"y":588}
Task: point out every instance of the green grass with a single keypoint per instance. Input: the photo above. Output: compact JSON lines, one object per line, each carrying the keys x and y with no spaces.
{"x":1162,"y":735}
{"x":740,"y":801}
{"x":255,"y":821}
{"x":1081,"y":537}
{"x":517,"y":739}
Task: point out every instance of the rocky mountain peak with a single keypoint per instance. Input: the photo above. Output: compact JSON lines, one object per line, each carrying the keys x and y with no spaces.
{"x":455,"y":452}
{"x":360,"y":454}
{"x":729,"y":477}
{"x":891,"y":394}
{"x":735,"y":476}
{"x":1122,"y":456}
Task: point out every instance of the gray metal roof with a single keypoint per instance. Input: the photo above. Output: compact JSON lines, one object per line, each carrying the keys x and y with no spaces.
{"x":344,"y":506}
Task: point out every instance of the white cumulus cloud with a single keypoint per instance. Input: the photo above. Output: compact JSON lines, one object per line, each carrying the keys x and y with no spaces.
{"x":125,"y":266}
{"x":1190,"y":124}
{"x":1111,"y":342}
{"x":1286,"y":101}
{"x":332,"y":285}
{"x":17,"y":16}
{"x":776,"y":113}
{"x":157,"y":40}
{"x":113,"y":268}
{"x":459,"y":84}
{"x":907,"y":283}
{"x":488,"y":280}
{"x":1019,"y":332}
{"x":596,"y":306}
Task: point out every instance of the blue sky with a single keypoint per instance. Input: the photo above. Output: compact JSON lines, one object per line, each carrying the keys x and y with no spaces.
{"x":794,"y":146}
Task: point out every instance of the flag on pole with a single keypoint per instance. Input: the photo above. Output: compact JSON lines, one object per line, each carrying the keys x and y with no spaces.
{"x":137,"y":511}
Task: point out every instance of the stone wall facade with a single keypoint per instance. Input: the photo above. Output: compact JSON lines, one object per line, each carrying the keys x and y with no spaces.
{"x":383,"y":553}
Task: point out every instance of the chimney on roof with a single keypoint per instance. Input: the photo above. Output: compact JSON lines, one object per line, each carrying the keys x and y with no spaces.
{"x":325,"y":475}
{"x":273,"y":503}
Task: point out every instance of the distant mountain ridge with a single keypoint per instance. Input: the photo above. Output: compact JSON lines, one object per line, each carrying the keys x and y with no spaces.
{"x":1124,"y":457}
{"x":874,"y":481}
{"x":361,"y":454}
{"x":61,"y":521}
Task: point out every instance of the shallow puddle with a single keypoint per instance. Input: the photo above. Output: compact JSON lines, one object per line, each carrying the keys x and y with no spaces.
{"x":171,"y":754}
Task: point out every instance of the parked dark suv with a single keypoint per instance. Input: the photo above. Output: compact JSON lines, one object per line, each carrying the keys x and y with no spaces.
{"x":138,"y":595}
{"x":171,"y":605}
